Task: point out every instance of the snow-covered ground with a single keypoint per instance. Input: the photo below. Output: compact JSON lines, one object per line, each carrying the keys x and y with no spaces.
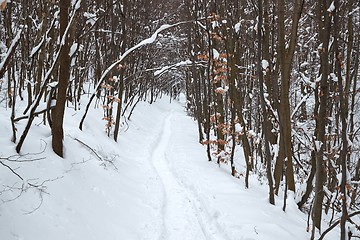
{"x":160,"y":185}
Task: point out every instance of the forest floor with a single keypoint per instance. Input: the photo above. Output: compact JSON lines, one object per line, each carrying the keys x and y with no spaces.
{"x":155,"y":183}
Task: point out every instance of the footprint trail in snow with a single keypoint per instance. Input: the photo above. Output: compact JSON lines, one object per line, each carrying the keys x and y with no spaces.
{"x":183,"y":216}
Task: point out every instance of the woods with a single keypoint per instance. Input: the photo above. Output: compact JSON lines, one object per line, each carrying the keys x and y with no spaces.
{"x":273,"y":85}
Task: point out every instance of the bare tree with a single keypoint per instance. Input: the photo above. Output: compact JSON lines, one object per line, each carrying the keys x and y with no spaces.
{"x":64,"y":75}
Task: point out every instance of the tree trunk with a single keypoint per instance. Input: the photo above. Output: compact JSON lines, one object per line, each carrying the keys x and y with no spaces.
{"x":64,"y":75}
{"x":319,"y":142}
{"x":286,"y":57}
{"x":343,"y":116}
{"x":121,"y":75}
{"x":266,"y":126}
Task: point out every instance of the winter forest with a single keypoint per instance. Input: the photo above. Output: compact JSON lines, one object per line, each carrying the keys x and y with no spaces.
{"x":181,"y":119}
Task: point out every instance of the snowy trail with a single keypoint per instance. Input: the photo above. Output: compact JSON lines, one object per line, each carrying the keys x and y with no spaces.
{"x":183,"y":215}
{"x":163,"y":188}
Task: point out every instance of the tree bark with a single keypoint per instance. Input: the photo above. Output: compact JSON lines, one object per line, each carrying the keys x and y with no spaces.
{"x":321,"y":116}
{"x":286,"y":57}
{"x":343,"y":116}
{"x":266,"y":126}
{"x":121,"y":74}
{"x":64,"y":75}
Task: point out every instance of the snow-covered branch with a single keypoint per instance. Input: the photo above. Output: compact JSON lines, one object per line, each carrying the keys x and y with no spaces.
{"x":137,"y":46}
{"x":170,"y":67}
{"x":9,"y":53}
{"x":46,"y":78}
{"x":144,"y":42}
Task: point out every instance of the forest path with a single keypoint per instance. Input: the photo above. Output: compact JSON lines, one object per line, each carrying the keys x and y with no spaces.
{"x":184,"y":216}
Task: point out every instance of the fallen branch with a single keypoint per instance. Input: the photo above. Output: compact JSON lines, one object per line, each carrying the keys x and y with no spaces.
{"x":20,"y":159}
{"x":12,"y":170}
{"x":90,"y":148}
{"x":41,"y":188}
{"x":26,"y":184}
{"x":111,"y":162}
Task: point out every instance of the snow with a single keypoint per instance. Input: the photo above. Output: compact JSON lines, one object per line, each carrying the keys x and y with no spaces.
{"x":333,"y":77}
{"x":302,"y":101}
{"x":159,"y":186}
{"x":215,"y":24}
{"x":238,"y":128}
{"x":201,"y":25}
{"x":76,"y":4}
{"x":237,"y":27}
{"x":331,"y":8}
{"x":264,"y":64}
{"x":73,"y":49}
{"x":36,"y":48}
{"x":216,"y":53}
{"x":318,"y":145}
{"x":221,"y":90}
{"x":91,"y":18}
{"x":144,"y":42}
{"x":354,"y":11}
{"x":304,"y":64}
{"x":53,"y":84}
{"x":154,"y":36}
{"x":167,"y":68}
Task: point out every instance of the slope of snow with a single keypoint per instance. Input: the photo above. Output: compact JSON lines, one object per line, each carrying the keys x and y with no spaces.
{"x":160,"y":185}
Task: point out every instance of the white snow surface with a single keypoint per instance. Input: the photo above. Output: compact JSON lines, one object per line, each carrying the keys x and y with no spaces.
{"x":237,"y":27}
{"x":332,"y":7}
{"x":163,"y":187}
{"x":216,"y":54}
{"x":264,"y":64}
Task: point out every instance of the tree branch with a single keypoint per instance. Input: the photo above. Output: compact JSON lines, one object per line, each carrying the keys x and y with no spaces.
{"x":122,"y":57}
{"x":9,"y":53}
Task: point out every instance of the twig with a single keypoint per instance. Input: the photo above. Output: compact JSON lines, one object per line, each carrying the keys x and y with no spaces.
{"x":11,"y":170}
{"x":97,"y":155}
{"x":35,"y":114}
{"x":77,"y":163}
{"x":23,"y":157}
{"x":41,"y":188}
{"x":90,"y":148}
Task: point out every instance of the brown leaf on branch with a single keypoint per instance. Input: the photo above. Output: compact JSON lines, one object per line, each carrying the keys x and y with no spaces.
{"x":106,"y":107}
{"x":3,"y":5}
{"x":117,"y":100}
{"x":222,"y":142}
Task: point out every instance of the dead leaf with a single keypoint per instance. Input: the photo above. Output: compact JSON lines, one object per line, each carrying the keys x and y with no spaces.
{"x":3,"y":5}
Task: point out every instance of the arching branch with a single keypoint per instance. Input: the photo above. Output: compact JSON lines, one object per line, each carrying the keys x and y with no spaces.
{"x":144,"y":42}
